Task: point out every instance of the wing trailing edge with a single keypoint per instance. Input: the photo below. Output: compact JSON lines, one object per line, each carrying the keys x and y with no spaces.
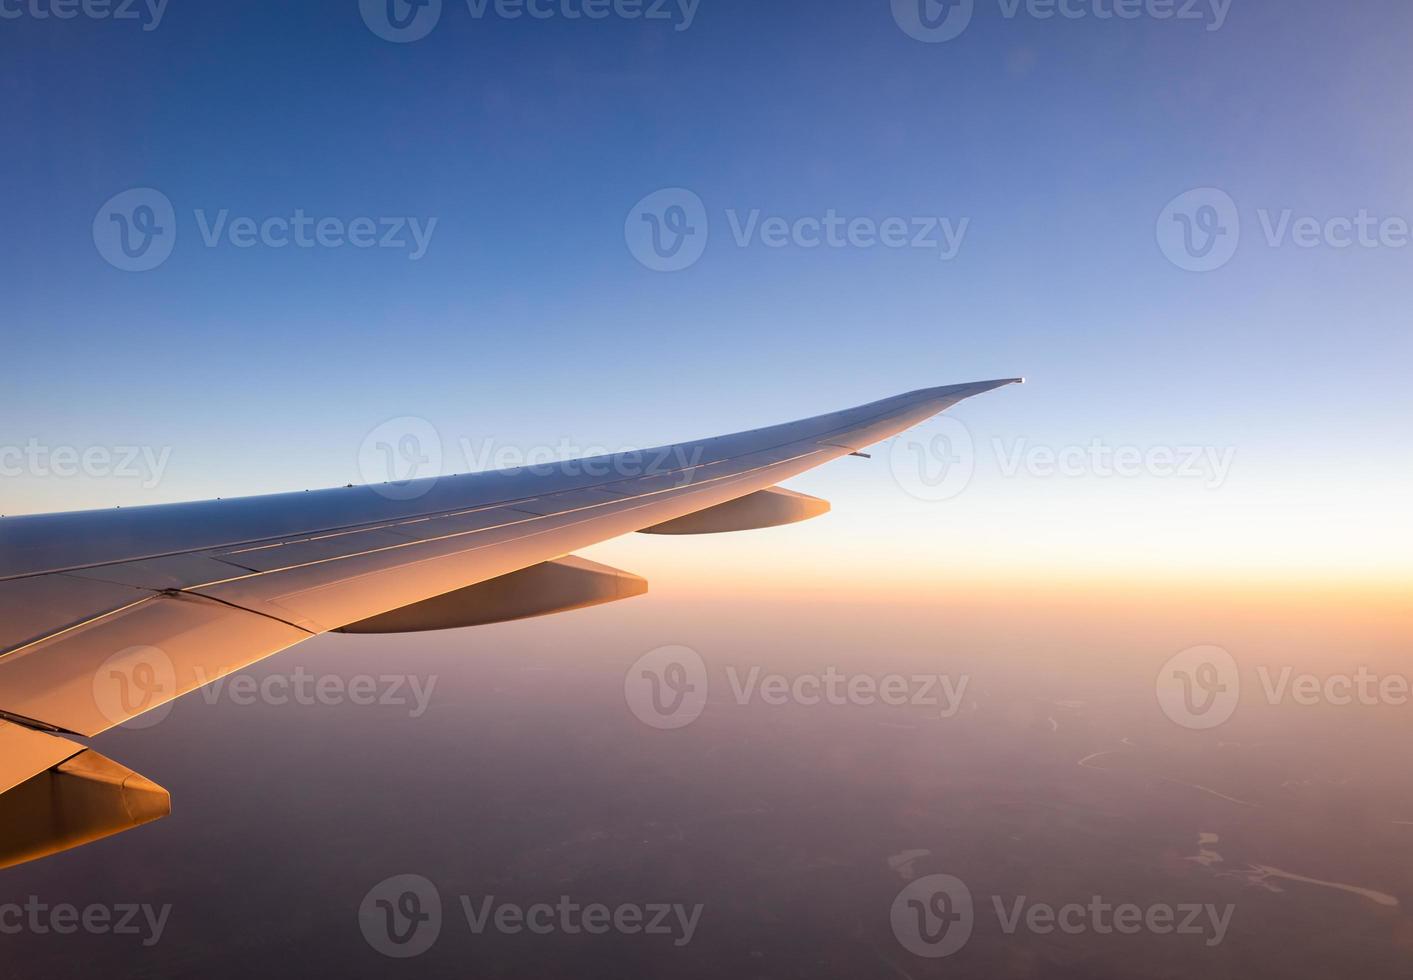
{"x":549,"y":587}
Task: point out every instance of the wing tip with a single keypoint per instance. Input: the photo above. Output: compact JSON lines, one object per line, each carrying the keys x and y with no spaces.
{"x":966,"y":389}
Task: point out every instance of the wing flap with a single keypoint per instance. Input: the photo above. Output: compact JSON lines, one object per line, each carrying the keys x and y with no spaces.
{"x":25,"y":752}
{"x":431,"y":528}
{"x":36,"y":607}
{"x":161,"y":574}
{"x":100,"y":674}
{"x":561,"y":503}
{"x":549,"y":587}
{"x":272,"y":557}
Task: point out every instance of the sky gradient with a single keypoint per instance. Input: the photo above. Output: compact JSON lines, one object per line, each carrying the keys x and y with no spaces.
{"x":528,"y":322}
{"x":285,"y":244}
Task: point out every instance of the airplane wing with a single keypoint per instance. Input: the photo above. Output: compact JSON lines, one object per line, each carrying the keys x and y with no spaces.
{"x":105,"y":615}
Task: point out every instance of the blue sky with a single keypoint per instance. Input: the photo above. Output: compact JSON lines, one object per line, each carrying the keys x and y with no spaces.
{"x":529,"y":321}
